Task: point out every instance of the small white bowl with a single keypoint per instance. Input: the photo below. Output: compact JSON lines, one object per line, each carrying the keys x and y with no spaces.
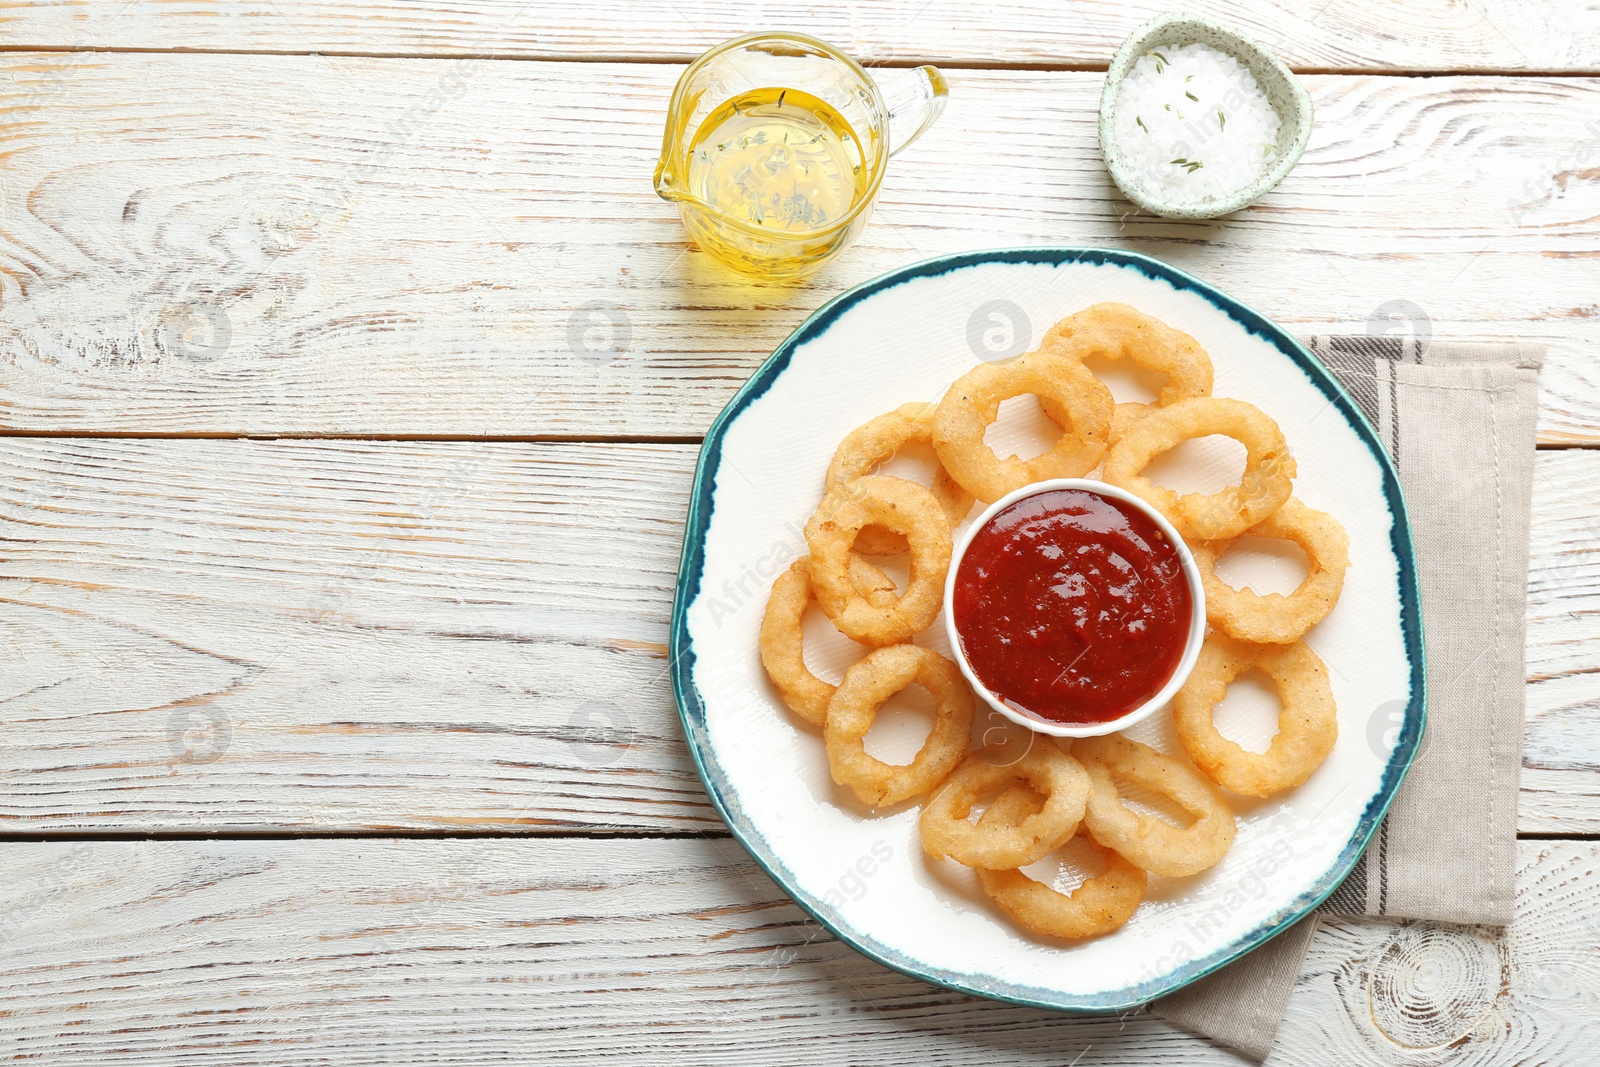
{"x":1191,"y":575}
{"x":1283,"y":91}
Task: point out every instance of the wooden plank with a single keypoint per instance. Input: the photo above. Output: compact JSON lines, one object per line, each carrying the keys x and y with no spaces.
{"x":1353,"y":34}
{"x":668,"y":952}
{"x":1561,"y":748}
{"x":277,"y":245}
{"x":234,"y":636}
{"x":1424,"y":993}
{"x":228,"y":636}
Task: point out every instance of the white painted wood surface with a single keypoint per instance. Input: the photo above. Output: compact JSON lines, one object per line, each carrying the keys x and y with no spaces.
{"x":1430,"y":35}
{"x":356,"y":637}
{"x":667,"y":952}
{"x":359,"y":636}
{"x":305,"y":245}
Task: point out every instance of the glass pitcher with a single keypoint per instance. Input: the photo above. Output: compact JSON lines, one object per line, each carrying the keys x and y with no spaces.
{"x":776,"y":144}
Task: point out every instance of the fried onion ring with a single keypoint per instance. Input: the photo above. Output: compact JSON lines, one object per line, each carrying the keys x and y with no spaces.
{"x":1004,"y":845}
{"x":1124,"y":415}
{"x":782,"y":646}
{"x":904,"y":507}
{"x":1308,"y":725}
{"x":882,"y":673}
{"x":1098,"y":906}
{"x":1151,"y":842}
{"x":875,"y":442}
{"x":1272,"y":618}
{"x":1207,"y":517}
{"x":1081,"y":405}
{"x":1117,"y":331}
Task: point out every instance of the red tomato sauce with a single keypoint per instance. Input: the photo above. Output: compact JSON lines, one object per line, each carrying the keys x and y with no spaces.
{"x":1072,"y":607}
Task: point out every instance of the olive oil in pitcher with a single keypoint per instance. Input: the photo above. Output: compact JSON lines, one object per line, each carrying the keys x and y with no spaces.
{"x":779,"y":158}
{"x":776,"y":144}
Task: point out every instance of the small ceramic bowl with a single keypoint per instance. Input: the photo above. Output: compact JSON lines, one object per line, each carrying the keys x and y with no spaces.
{"x":1191,"y":575}
{"x":1284,"y":91}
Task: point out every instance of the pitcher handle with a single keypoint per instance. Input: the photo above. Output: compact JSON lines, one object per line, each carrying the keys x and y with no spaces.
{"x":915,"y":98}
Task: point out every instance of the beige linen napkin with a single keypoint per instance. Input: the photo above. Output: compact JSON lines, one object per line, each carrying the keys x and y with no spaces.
{"x":1458,"y":420}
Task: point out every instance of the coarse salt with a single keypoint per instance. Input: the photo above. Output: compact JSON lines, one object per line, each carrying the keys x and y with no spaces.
{"x":1192,"y":125}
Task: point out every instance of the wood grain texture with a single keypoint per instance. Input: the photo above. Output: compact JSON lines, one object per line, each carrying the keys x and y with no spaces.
{"x":1353,"y":34}
{"x":1429,"y":994}
{"x":1561,"y":748}
{"x":244,"y":636}
{"x":299,"y":245}
{"x":234,"y":636}
{"x":669,"y":952}
{"x":379,"y":635}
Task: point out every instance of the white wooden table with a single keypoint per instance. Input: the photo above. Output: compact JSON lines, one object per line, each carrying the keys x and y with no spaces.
{"x":338,"y":548}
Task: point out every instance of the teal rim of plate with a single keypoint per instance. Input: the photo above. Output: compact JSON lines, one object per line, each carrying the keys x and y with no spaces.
{"x":691,"y":710}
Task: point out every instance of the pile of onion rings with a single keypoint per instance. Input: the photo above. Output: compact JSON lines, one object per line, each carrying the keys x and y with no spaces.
{"x":1153,"y":843}
{"x":1116,"y":332}
{"x":1000,"y":817}
{"x":999,"y":845}
{"x":877,"y":440}
{"x":903,"y":507}
{"x":1268,"y":470}
{"x":1078,"y":401}
{"x":1099,"y":905}
{"x":782,"y":647}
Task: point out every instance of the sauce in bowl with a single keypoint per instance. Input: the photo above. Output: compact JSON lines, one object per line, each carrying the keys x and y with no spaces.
{"x":1072,"y":606}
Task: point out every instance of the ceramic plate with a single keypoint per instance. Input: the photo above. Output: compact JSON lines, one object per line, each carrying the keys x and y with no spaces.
{"x":905,"y":337}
